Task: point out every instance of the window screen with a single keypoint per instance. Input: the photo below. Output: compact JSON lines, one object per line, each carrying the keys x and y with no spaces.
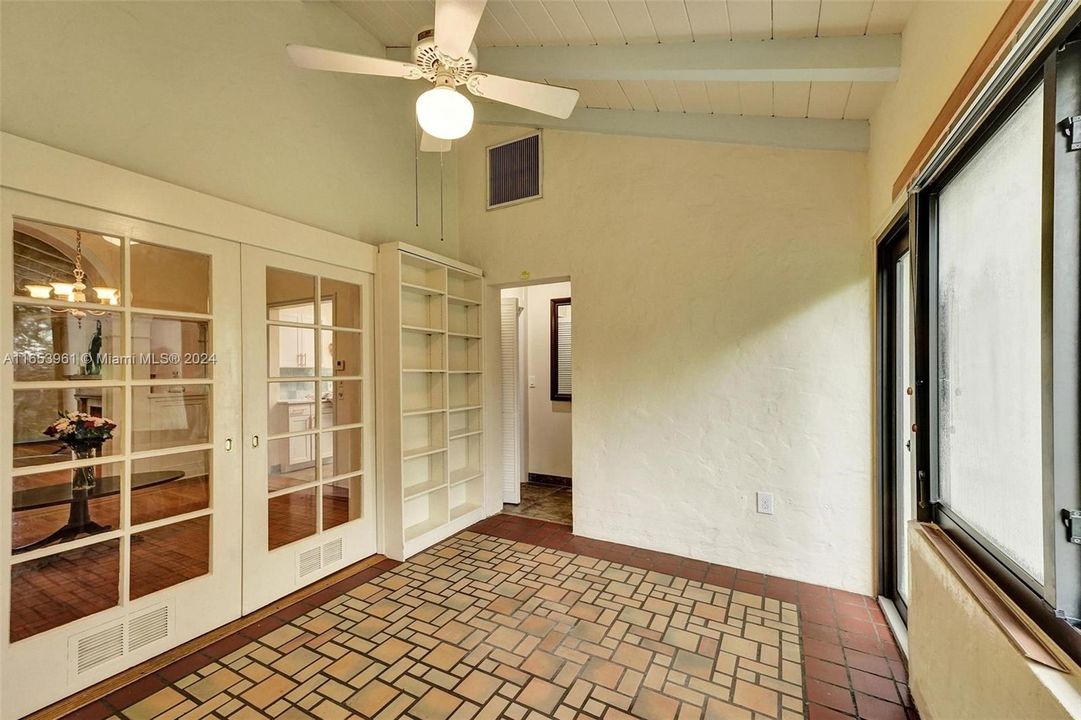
{"x":989,"y":340}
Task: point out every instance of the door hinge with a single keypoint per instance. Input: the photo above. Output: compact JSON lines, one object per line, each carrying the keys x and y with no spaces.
{"x":1072,"y":519}
{"x":1071,"y":128}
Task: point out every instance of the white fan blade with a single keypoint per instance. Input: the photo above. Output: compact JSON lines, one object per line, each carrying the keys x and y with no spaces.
{"x":320,"y":59}
{"x":428,"y":143}
{"x":548,"y":99}
{"x":455,"y":25}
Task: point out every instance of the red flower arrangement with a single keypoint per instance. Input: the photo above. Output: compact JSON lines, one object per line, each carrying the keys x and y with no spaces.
{"x":81,"y":432}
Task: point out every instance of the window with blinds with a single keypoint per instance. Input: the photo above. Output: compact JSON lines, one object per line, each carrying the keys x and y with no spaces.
{"x":561,"y":349}
{"x":514,"y":171}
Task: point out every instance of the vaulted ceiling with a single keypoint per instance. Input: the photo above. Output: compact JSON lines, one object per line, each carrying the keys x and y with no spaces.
{"x":646,"y":24}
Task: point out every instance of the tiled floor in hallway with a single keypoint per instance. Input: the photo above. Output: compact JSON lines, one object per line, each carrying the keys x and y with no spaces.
{"x":518,"y":618}
{"x":543,"y":502}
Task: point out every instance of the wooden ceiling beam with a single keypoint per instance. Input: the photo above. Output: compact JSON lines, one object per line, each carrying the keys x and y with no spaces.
{"x":840,"y":59}
{"x":809,"y":133}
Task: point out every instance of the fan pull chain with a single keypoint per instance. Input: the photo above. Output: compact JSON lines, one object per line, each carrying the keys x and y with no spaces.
{"x":441,"y":238}
{"x":416,"y":172}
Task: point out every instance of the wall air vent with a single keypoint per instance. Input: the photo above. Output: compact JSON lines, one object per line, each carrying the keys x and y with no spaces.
{"x":514,"y":171}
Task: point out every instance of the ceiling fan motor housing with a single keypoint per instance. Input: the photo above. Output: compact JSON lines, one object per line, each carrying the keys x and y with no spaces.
{"x":434,"y":64}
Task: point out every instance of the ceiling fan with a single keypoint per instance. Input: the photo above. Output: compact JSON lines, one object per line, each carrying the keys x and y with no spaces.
{"x":445,"y":56}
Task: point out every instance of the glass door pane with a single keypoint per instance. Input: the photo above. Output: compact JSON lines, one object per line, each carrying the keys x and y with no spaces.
{"x":905,"y":399}
{"x":291,"y":352}
{"x":67,"y":426}
{"x":307,"y":352}
{"x":171,"y":403}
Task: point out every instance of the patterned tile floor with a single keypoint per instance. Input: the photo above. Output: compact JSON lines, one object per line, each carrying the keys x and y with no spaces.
{"x":543,"y":502}
{"x":518,"y":618}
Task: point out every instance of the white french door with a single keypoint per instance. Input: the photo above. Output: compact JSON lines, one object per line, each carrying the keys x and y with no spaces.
{"x":309,"y":466}
{"x":111,"y":559}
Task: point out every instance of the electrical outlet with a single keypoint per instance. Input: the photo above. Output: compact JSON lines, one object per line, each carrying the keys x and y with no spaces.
{"x":765,"y":503}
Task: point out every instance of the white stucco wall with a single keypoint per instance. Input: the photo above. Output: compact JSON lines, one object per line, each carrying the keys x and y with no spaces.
{"x":722,"y":342}
{"x":962,"y":666}
{"x":202,"y":95}
{"x":549,"y":420}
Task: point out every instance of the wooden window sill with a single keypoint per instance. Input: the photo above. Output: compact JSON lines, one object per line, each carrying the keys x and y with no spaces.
{"x":1018,"y":628}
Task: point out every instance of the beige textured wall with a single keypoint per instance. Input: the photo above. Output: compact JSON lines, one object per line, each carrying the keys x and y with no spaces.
{"x":938,"y":44}
{"x":201,"y":94}
{"x":722,"y":329}
{"x":549,"y":421}
{"x":962,"y":666}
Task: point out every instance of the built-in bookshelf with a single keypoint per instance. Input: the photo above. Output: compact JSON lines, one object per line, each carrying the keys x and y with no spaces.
{"x":431,"y":397}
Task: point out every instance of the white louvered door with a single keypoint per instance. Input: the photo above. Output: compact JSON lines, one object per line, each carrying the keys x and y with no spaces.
{"x":512,"y":410}
{"x":563,"y":350}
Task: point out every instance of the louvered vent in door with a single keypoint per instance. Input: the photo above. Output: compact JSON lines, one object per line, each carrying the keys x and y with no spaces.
{"x":514,"y":171}
{"x":98,"y":647}
{"x":309,"y":561}
{"x":332,"y":552}
{"x":90,"y":650}
{"x":148,"y":628}
{"x":315,"y":559}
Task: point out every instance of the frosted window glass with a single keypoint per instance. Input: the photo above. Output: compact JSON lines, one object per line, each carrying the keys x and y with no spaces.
{"x":990,"y":419}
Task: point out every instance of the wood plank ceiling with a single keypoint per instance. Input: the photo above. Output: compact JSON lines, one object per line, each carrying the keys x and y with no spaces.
{"x":509,"y":23}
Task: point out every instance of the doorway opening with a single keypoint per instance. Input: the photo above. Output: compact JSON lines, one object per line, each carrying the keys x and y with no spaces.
{"x":535,"y":352}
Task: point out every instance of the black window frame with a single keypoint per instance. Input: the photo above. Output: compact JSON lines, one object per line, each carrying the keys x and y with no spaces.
{"x":891,"y":247}
{"x":1056,"y":604}
{"x":553,"y":351}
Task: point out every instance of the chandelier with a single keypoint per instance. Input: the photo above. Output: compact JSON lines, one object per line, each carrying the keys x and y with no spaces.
{"x":76,"y":291}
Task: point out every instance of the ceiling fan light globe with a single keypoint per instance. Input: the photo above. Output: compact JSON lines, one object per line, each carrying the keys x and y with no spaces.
{"x":444,"y":113}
